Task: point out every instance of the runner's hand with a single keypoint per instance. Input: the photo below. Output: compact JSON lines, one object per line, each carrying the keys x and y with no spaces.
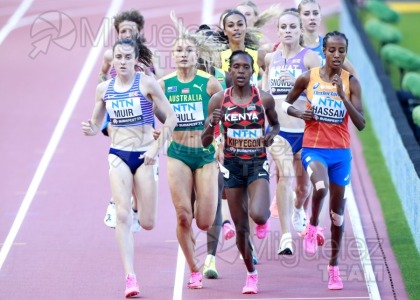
{"x":216,"y":117}
{"x":156,"y":134}
{"x":89,"y":128}
{"x":307,"y":114}
{"x":150,"y":156}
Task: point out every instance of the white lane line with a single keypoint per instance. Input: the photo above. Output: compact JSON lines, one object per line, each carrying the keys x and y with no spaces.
{"x":300,"y":298}
{"x":79,"y":86}
{"x":365,"y":260}
{"x":207,"y":12}
{"x":14,"y":19}
{"x":359,"y":235}
{"x":179,"y":275}
{"x":206,"y":18}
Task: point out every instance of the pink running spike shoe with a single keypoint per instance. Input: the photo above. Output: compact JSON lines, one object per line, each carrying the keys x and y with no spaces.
{"x":334,"y":281}
{"x":228,"y":231}
{"x":310,"y":244}
{"x":251,"y":285}
{"x":131,"y":287}
{"x":196,"y":281}
{"x":320,"y":236}
{"x":261,"y":230}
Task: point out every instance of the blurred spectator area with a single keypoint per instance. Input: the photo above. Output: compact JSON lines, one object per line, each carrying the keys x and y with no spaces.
{"x":393,"y":29}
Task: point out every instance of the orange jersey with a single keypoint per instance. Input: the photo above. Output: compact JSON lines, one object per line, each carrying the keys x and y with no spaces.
{"x":329,"y":127}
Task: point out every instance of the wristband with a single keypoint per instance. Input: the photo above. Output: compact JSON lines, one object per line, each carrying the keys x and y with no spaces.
{"x":210,"y":124}
{"x":285,"y":106}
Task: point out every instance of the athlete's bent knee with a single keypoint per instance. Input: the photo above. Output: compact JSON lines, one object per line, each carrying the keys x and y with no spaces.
{"x":337,"y":219}
{"x":203,"y":225}
{"x":147,"y":225}
{"x":184,"y":219}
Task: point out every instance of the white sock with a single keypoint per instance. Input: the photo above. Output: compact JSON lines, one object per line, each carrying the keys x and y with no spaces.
{"x":253,"y":273}
{"x":209,"y":258}
{"x":286,"y":235}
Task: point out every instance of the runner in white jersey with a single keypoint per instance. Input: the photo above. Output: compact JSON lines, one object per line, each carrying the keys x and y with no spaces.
{"x":284,"y":65}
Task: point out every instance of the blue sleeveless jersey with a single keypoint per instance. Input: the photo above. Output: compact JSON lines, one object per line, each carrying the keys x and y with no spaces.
{"x":129,"y":108}
{"x":318,"y":50}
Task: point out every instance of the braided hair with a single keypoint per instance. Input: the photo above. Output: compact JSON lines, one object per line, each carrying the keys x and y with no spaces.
{"x":334,"y":33}
{"x":241,"y":52}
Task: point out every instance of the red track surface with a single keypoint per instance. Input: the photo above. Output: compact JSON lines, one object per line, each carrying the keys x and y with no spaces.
{"x":64,"y":251}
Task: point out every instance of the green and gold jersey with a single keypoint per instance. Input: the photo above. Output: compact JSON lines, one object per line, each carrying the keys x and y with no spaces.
{"x":189,"y":100}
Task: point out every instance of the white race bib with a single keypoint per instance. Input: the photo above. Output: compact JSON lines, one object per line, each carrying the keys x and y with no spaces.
{"x":189,"y":114}
{"x":278,"y":86}
{"x":328,"y":110}
{"x":124,"y":111}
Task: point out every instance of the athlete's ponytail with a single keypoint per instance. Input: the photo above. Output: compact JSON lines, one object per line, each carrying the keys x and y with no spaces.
{"x":141,"y":52}
{"x":264,"y":17}
{"x":144,"y":55}
{"x":206,"y":42}
{"x":127,"y":42}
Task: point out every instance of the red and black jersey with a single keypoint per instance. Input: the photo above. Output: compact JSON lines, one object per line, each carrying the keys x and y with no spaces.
{"x":243,"y":126}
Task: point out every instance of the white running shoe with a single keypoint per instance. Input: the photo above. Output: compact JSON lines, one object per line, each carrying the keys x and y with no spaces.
{"x":135,"y":227}
{"x":286,"y":244}
{"x":110,"y":219}
{"x":299,"y":219}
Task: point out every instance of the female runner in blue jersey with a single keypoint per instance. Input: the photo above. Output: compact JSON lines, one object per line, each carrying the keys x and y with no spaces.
{"x":129,"y":98}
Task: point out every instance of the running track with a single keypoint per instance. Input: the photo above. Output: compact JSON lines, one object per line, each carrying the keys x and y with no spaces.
{"x":54,"y":185}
